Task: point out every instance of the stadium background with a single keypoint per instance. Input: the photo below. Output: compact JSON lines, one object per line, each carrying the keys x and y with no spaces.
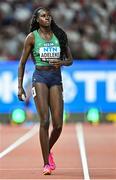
{"x":89,"y":85}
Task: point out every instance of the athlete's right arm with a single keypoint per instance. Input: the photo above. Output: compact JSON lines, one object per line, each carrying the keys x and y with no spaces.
{"x":28,"y":45}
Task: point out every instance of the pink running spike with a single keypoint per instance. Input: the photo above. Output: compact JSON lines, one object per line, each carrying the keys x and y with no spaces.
{"x":47,"y":170}
{"x":51,"y":161}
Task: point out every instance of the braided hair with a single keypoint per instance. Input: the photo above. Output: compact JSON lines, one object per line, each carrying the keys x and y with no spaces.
{"x":59,"y":33}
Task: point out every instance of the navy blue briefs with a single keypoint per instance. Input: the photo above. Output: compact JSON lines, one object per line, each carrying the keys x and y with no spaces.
{"x":49,"y":77}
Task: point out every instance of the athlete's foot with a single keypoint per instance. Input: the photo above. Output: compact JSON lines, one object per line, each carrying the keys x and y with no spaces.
{"x":47,"y":170}
{"x":51,"y":161}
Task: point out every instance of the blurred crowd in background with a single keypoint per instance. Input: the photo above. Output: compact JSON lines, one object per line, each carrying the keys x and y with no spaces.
{"x":89,"y":24}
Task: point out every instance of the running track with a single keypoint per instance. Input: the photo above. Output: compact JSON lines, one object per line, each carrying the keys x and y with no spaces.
{"x":83,"y":152}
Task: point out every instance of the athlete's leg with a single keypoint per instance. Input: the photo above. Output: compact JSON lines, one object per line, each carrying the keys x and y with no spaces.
{"x":42,"y":100}
{"x":56,"y":106}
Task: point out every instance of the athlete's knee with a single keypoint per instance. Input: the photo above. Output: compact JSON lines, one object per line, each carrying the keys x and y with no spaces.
{"x":57,"y":127}
{"x":44,"y":124}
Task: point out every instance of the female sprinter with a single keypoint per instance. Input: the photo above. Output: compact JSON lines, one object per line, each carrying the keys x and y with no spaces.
{"x":48,"y":45}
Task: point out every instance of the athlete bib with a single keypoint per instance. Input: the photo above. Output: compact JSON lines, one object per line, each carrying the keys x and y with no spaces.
{"x":47,"y":53}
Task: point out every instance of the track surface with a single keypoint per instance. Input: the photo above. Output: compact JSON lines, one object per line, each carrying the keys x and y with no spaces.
{"x":82,"y":152}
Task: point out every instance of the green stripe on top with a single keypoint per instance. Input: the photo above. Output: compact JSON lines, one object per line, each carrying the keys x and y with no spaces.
{"x":44,"y":50}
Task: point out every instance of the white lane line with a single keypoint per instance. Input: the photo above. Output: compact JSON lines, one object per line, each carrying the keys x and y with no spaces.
{"x":20,"y":141}
{"x":80,"y":138}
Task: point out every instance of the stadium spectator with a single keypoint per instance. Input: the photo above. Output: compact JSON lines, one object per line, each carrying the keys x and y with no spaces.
{"x":89,"y":25}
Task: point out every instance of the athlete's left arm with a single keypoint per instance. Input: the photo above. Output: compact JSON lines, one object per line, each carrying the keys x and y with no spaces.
{"x":68,"y":60}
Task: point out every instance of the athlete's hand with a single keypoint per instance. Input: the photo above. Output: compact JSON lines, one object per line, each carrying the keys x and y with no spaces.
{"x":55,"y":62}
{"x":21,"y":94}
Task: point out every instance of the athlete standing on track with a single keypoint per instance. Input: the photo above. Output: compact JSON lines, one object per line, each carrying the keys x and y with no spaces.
{"x":48,"y":45}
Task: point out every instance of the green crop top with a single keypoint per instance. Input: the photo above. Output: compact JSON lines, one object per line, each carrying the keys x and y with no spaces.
{"x":44,"y":50}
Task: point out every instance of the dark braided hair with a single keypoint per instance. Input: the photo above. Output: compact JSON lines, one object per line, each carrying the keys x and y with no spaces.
{"x":59,"y":33}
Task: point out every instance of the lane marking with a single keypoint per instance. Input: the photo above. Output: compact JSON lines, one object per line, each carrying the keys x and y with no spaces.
{"x":80,"y":138}
{"x":20,"y":141}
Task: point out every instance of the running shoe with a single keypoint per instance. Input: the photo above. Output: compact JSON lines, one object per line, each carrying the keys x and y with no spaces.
{"x":47,"y":170}
{"x":51,"y":161}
